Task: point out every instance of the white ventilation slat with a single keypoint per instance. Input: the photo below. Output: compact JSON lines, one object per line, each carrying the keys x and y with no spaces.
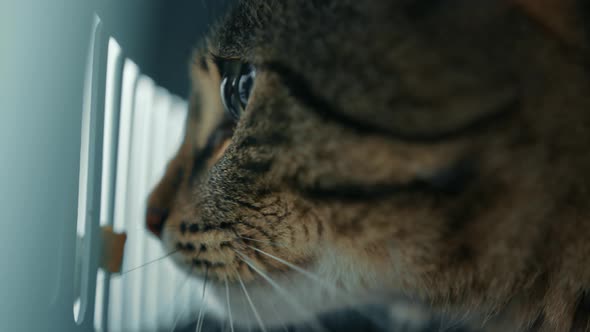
{"x":130,"y":74}
{"x":156,"y":166}
{"x":151,"y":130}
{"x":139,"y":158}
{"x":140,"y":129}
{"x":110,"y":144}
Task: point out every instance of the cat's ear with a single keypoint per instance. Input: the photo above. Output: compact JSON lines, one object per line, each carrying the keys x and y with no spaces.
{"x":566,"y":19}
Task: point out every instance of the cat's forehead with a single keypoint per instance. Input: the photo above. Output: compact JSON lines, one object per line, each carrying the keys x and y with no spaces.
{"x":261,"y":23}
{"x":234,"y":35}
{"x":273,"y":24}
{"x":364,"y":58}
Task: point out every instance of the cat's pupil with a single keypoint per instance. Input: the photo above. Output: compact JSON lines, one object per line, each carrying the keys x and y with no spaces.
{"x":245,"y":84}
{"x":227,"y":98}
{"x":235,"y":90}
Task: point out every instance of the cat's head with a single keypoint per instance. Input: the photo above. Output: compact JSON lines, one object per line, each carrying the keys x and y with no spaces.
{"x":340,"y":151}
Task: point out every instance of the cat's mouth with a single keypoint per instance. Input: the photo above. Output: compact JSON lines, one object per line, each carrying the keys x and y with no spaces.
{"x":223,"y":253}
{"x":232,"y":251}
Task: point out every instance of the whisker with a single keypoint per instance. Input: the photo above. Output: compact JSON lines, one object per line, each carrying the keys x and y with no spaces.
{"x":287,"y":297}
{"x":262,"y":241}
{"x":343,"y":295}
{"x":203,"y":303}
{"x":149,"y":262}
{"x":138,"y":267}
{"x":179,"y":291}
{"x":297,"y":268}
{"x":274,"y":244}
{"x":305,"y":272}
{"x":231,"y":321}
{"x":251,"y":303}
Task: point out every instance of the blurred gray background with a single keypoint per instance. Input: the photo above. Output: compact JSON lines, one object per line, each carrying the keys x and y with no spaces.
{"x":43,"y":52}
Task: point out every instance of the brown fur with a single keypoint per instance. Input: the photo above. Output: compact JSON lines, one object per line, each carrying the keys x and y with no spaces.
{"x":442,"y":146}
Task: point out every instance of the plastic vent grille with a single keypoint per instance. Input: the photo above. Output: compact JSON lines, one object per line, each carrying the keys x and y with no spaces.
{"x":139,"y":126}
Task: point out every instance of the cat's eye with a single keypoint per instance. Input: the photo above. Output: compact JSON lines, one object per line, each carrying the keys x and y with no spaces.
{"x":235,"y":89}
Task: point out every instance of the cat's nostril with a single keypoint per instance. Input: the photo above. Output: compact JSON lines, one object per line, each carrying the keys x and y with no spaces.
{"x":203,"y":248}
{"x":182,"y":228}
{"x":155,"y":219}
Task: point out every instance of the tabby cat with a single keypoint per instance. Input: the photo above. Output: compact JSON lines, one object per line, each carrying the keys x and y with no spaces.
{"x":339,"y":153}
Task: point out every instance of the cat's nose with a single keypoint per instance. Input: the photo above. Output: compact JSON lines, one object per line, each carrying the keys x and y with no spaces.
{"x":155,"y":219}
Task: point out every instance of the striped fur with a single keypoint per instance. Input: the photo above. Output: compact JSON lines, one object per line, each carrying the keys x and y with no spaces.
{"x":437,"y":149}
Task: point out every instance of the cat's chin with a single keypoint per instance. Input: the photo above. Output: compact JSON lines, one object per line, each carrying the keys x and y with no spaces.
{"x":292,"y":300}
{"x":329,"y":282}
{"x":297,"y":297}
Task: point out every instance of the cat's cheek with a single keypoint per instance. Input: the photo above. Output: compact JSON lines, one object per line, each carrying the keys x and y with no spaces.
{"x":400,"y":273}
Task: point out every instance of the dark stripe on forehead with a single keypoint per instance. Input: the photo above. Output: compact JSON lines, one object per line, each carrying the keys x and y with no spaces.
{"x":300,"y":88}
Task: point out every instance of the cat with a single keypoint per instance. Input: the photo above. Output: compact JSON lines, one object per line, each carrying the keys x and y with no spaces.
{"x":341,"y":153}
